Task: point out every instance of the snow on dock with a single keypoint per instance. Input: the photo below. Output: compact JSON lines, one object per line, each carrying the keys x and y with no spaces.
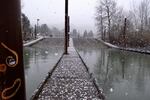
{"x":33,"y":41}
{"x":70,"y":80}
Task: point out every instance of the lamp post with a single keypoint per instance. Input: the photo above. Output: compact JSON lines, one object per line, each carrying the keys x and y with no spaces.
{"x":35,"y":31}
{"x":66,"y":28}
{"x":36,"y":28}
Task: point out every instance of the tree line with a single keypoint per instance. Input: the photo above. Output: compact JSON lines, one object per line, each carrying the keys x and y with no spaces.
{"x":121,"y":27}
{"x":31,"y":32}
{"x":86,"y":34}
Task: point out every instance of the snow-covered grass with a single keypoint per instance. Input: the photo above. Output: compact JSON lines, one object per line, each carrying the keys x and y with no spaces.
{"x":125,"y":48}
{"x":33,"y":41}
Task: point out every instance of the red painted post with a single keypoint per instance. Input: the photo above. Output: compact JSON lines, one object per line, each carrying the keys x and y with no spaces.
{"x":12,"y":82}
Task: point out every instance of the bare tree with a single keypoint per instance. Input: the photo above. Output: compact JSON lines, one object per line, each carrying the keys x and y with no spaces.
{"x":100,"y":23}
{"x":141,"y":15}
{"x":111,"y":20}
{"x":106,"y":10}
{"x":117,"y":22}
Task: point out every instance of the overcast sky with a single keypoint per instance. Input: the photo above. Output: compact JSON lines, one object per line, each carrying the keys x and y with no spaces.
{"x":51,"y":12}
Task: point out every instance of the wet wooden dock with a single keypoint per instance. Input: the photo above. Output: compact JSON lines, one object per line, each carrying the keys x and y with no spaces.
{"x":70,"y":80}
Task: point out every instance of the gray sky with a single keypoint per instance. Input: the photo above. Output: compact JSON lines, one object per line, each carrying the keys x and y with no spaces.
{"x":51,"y":12}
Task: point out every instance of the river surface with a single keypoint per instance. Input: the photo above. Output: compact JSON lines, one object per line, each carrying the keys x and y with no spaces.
{"x":39,"y":59}
{"x":122,"y":75}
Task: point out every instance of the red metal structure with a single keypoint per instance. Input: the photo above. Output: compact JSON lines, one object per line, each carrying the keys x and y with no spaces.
{"x":12,"y":82}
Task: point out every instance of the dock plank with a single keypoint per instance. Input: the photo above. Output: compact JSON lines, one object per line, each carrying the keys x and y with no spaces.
{"x":70,"y":80}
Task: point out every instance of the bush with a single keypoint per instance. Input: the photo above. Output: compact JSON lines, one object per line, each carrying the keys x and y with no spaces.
{"x":131,"y":40}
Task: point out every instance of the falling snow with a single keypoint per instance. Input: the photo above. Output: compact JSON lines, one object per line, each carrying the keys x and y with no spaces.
{"x":70,"y":81}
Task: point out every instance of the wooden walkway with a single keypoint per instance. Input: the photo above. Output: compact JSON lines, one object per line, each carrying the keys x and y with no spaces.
{"x":70,"y":80}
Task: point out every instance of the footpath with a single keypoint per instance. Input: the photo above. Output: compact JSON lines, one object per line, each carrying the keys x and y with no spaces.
{"x":69,"y":80}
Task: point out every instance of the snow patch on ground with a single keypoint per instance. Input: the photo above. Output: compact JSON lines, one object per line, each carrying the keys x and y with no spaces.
{"x":123,"y":48}
{"x":33,"y":41}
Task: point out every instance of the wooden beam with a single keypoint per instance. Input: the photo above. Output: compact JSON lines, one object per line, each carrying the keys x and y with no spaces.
{"x":66,"y":27}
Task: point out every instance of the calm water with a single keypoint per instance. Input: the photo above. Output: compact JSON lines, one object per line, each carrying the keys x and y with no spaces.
{"x":121,"y":75}
{"x":39,"y":60}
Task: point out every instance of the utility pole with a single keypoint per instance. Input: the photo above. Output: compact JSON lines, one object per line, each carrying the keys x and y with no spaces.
{"x":66,"y":27}
{"x":12,"y":81}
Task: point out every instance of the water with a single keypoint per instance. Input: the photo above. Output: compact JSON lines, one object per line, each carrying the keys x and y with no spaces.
{"x":39,"y":60}
{"x":122,"y":75}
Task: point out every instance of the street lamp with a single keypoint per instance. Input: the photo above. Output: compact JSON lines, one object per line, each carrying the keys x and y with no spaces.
{"x":36,"y":28}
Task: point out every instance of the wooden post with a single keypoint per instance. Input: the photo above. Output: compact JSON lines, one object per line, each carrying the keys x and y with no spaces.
{"x":12,"y":82}
{"x":68,"y":24}
{"x":124,"y":32}
{"x":66,"y":27}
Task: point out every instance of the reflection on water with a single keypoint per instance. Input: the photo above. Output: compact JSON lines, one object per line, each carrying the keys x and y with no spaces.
{"x":122,"y":75}
{"x":38,"y":61}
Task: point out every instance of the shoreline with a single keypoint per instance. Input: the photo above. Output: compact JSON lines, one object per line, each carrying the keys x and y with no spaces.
{"x":123,"y":48}
{"x":33,"y":41}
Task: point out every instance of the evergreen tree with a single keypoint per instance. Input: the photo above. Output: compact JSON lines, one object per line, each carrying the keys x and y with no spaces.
{"x":90,"y":34}
{"x":26,"y":29}
{"x":85,"y":34}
